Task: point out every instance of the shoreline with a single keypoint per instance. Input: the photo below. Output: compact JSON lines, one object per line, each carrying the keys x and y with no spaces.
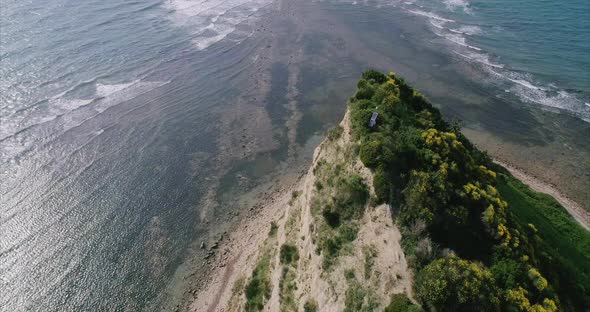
{"x":238,"y":252}
{"x":573,"y":208}
{"x":239,"y":249}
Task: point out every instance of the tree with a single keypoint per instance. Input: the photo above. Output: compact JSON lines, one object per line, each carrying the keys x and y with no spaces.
{"x":370,"y":152}
{"x":517,"y":298}
{"x":455,"y":284}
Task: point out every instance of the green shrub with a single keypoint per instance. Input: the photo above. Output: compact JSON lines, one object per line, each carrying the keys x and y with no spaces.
{"x":508,"y":273}
{"x":349,"y":274}
{"x":374,"y":75}
{"x":355,"y":298}
{"x":294,"y":196}
{"x":349,"y":201}
{"x":287,"y":288}
{"x":382,"y":185}
{"x":273,"y":229}
{"x":351,"y":197}
{"x":360,"y":120}
{"x":332,"y":244}
{"x":259,"y":288}
{"x":454,"y":284}
{"x":401,"y":303}
{"x":365,"y":93}
{"x":335,"y":133}
{"x":348,"y":232}
{"x":415,"y":308}
{"x":358,"y":298}
{"x":311,"y":306}
{"x":370,"y":253}
{"x":289,"y":254}
{"x":370,"y":152}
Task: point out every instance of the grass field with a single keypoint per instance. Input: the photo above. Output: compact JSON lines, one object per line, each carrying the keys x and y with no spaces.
{"x":565,"y":244}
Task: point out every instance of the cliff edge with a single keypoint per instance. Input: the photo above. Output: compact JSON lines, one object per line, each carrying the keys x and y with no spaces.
{"x":290,"y":258}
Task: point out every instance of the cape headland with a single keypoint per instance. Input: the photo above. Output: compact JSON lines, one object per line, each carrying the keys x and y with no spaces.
{"x":402,"y":213}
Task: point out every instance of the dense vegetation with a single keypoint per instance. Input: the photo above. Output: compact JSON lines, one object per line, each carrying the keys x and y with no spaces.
{"x":476,"y":237}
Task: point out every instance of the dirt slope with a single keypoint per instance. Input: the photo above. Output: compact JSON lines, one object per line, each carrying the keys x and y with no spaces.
{"x":373,"y":264}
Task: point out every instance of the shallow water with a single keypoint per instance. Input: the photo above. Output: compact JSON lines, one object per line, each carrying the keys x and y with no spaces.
{"x":128,"y":130}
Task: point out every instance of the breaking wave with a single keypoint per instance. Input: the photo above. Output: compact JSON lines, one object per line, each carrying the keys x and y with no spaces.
{"x":63,"y":112}
{"x":211,"y":21}
{"x":522,"y":85}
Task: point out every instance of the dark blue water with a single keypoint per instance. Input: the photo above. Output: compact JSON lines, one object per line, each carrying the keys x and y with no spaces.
{"x":118,"y":117}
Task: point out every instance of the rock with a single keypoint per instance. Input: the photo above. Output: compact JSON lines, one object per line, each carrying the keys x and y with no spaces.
{"x":202,"y":245}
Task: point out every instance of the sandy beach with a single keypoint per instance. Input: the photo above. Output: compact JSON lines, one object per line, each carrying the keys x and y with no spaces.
{"x":576,"y":210}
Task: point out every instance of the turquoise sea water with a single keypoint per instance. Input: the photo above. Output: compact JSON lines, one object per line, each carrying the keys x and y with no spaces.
{"x":116,"y":117}
{"x":539,"y":50}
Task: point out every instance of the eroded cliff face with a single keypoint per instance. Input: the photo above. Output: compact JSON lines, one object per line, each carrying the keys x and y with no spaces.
{"x":321,"y":246}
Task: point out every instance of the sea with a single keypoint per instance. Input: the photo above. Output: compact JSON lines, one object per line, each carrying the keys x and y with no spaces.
{"x":132,"y":131}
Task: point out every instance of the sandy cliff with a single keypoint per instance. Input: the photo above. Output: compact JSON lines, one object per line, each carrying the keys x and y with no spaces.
{"x":371,"y":267}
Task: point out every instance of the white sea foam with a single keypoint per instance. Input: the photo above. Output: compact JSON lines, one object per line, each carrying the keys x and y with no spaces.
{"x":220,"y":18}
{"x":458,"y":4}
{"x":105,"y":96}
{"x":124,"y":92}
{"x":430,"y":15}
{"x":103,"y":90}
{"x":437,"y":23}
{"x":561,"y":100}
{"x":467,"y":30}
{"x":526,"y":84}
{"x":479,"y":58}
{"x":547,"y":96}
{"x":460,"y":40}
{"x":452,"y":35}
{"x":67,"y":105}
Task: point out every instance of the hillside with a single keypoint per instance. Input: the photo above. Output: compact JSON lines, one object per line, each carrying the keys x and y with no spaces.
{"x":302,"y":259}
{"x":403,"y":216}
